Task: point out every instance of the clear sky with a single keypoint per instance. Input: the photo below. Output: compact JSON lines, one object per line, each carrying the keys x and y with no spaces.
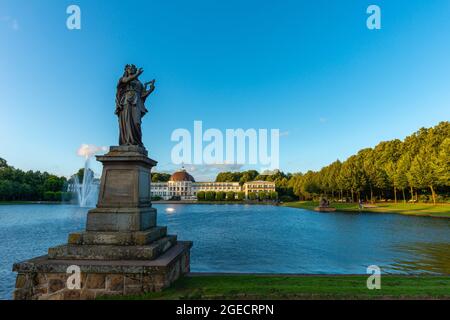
{"x":309,"y":68}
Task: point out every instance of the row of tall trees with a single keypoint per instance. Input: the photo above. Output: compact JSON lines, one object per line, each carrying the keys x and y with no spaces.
{"x":414,"y":169}
{"x":416,"y":166}
{"x":18,"y":185}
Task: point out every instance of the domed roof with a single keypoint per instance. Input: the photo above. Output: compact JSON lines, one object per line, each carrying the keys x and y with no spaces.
{"x":182,"y":175}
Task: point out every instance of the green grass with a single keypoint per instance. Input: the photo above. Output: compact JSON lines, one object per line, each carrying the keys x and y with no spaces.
{"x":418,"y":209}
{"x":300,"y":287}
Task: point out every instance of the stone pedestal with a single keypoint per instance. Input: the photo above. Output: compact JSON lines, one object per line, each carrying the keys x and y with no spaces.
{"x":122,"y":251}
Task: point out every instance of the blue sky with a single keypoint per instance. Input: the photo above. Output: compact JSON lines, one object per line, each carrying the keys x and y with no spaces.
{"x":310,"y":68}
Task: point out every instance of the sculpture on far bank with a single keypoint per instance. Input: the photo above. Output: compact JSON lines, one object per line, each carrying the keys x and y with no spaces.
{"x":130,"y":105}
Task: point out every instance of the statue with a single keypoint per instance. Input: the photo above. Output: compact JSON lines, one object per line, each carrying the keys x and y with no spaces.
{"x":130,"y":105}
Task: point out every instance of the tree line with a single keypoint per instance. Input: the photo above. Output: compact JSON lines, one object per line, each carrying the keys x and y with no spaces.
{"x":415,"y":169}
{"x":18,"y":185}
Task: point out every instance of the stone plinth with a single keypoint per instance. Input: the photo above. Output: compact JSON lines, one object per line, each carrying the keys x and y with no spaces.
{"x":122,"y":251}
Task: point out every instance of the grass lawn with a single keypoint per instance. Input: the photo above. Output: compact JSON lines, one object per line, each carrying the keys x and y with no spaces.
{"x":300,"y":287}
{"x":418,"y":209}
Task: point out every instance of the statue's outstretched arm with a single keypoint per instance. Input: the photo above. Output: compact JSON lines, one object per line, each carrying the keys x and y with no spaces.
{"x":133,"y":76}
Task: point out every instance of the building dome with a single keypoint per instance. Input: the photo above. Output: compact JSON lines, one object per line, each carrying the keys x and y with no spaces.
{"x":181,"y":175}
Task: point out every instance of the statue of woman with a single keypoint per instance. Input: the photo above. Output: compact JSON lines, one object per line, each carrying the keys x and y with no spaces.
{"x":130,"y":105}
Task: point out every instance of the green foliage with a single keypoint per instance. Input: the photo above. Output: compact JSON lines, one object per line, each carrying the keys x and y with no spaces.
{"x":252,"y":196}
{"x":262,"y":196}
{"x":220,"y":196}
{"x":17,"y":185}
{"x":3,"y":163}
{"x":420,"y":163}
{"x":274,"y":196}
{"x":160,"y":177}
{"x":210,"y":196}
{"x":241,"y":196}
{"x":201,"y":196}
{"x":231,"y":196}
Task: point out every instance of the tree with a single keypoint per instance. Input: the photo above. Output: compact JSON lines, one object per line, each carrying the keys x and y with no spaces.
{"x":424,"y":173}
{"x":241,"y":196}
{"x":251,"y":196}
{"x":210,"y":196}
{"x":262,"y":196}
{"x":274,"y":195}
{"x":401,"y":174}
{"x":231,"y":196}
{"x":201,"y":196}
{"x":3,"y":163}
{"x":220,"y":196}
{"x":160,"y":177}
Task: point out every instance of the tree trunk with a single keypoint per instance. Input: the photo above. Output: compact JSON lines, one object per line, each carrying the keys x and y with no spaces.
{"x":433,"y":194}
{"x":412,"y":194}
{"x":404,"y":197}
{"x":371,"y":194}
{"x":395,"y":195}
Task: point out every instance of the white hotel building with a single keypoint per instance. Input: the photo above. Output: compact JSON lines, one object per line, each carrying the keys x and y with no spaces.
{"x":183,"y":185}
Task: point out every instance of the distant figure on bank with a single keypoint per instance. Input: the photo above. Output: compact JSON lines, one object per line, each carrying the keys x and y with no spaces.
{"x":361,"y":204}
{"x":130,"y":105}
{"x":324,"y":203}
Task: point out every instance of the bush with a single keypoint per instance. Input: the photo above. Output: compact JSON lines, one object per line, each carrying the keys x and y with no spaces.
{"x":156,"y":198}
{"x":210,"y":196}
{"x":49,"y":196}
{"x":262,"y":196}
{"x":274,"y":195}
{"x":251,"y":196}
{"x":286,"y":198}
{"x":201,"y":196}
{"x":220,"y":196}
{"x":241,"y":196}
{"x":231,"y":196}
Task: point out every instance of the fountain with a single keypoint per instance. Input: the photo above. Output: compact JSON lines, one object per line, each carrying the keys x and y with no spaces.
{"x":86,"y":189}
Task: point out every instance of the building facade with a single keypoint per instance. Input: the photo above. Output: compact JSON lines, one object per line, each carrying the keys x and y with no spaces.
{"x":183,"y":186}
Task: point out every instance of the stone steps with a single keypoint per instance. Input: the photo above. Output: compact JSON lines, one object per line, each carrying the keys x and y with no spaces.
{"x":120,"y":238}
{"x":112,"y":252}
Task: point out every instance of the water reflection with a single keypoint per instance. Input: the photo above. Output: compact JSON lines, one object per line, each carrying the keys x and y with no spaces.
{"x":423,"y":258}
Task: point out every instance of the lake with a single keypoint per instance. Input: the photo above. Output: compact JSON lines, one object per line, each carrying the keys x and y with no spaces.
{"x":252,"y":238}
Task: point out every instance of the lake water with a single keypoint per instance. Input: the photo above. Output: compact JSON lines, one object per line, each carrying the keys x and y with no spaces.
{"x":249,"y":238}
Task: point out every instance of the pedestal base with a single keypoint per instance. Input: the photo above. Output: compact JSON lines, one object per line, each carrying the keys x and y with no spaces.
{"x":45,"y":279}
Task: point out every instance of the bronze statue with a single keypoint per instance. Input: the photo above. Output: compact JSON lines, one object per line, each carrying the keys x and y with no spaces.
{"x":130,"y":105}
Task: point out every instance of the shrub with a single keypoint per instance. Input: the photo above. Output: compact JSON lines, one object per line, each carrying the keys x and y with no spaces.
{"x":220,"y":196}
{"x":286,"y":198}
{"x":274,"y":195}
{"x":241,"y":196}
{"x":210,"y":196}
{"x":251,"y":196}
{"x":231,"y":196}
{"x":201,"y":196}
{"x":262,"y":196}
{"x":49,"y":196}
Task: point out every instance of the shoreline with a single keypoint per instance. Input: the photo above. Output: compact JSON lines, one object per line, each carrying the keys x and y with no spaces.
{"x":441,"y":211}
